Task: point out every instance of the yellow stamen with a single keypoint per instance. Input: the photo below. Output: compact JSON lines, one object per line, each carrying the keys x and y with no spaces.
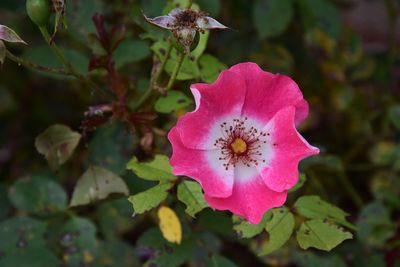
{"x":239,"y":146}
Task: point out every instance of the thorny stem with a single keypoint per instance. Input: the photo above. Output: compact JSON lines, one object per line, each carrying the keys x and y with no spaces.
{"x":143,"y":98}
{"x":57,"y":51}
{"x":175,"y":72}
{"x":154,"y":79}
{"x":30,"y":64}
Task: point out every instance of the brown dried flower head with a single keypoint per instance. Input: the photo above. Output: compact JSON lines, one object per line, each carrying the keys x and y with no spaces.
{"x":184,"y":23}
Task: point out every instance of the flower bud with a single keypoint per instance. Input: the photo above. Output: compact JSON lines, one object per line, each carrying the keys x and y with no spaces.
{"x":38,"y":11}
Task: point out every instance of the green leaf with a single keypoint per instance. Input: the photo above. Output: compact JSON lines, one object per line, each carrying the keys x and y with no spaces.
{"x":300,"y":183}
{"x":21,"y":232}
{"x":78,"y":235}
{"x":210,"y":68}
{"x":116,"y":253}
{"x":272,"y":17}
{"x":179,"y":3}
{"x":81,"y":13}
{"x":280,"y":229}
{"x":157,"y":170}
{"x":153,"y":8}
{"x":108,"y":148}
{"x":172,"y":101}
{"x":210,"y":6}
{"x":201,"y":46}
{"x":78,"y":60}
{"x":131,"y":50}
{"x":394,"y":116}
{"x":150,"y":198}
{"x":247,"y":230}
{"x":322,"y":14}
{"x":189,"y":192}
{"x":44,"y":56}
{"x":374,"y":225}
{"x":312,"y":207}
{"x":38,"y":195}
{"x":32,"y":257}
{"x":57,"y":143}
{"x":79,"y":231}
{"x":96,"y":184}
{"x":321,"y":234}
{"x":114,"y":217}
{"x":22,"y":244}
{"x":217,"y":222}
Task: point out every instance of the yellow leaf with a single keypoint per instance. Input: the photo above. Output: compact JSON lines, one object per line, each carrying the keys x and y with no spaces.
{"x":87,"y":257}
{"x":170,"y":225}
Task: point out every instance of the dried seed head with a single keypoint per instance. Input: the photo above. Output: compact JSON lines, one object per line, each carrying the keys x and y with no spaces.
{"x":184,"y":23}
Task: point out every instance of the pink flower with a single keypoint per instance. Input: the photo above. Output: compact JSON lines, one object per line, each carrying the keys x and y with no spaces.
{"x":241,"y":143}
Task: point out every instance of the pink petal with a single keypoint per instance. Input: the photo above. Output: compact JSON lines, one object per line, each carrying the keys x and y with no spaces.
{"x":267,"y":93}
{"x":214,"y":101}
{"x":200,"y":165}
{"x":250,"y":199}
{"x":289,"y":148}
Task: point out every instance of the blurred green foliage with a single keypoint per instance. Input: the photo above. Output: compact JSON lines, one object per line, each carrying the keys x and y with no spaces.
{"x":354,"y":119}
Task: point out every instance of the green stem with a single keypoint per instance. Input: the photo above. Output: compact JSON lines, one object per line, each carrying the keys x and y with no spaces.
{"x":143,"y":98}
{"x":316,"y":183}
{"x":59,"y":54}
{"x":351,"y":191}
{"x":57,"y":50}
{"x":154,"y":79}
{"x":30,"y":64}
{"x":175,"y":72}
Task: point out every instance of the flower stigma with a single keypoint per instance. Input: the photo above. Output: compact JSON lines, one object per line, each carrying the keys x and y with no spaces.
{"x":239,"y":146}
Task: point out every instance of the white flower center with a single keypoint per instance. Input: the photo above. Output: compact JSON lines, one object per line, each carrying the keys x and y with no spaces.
{"x":241,"y":143}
